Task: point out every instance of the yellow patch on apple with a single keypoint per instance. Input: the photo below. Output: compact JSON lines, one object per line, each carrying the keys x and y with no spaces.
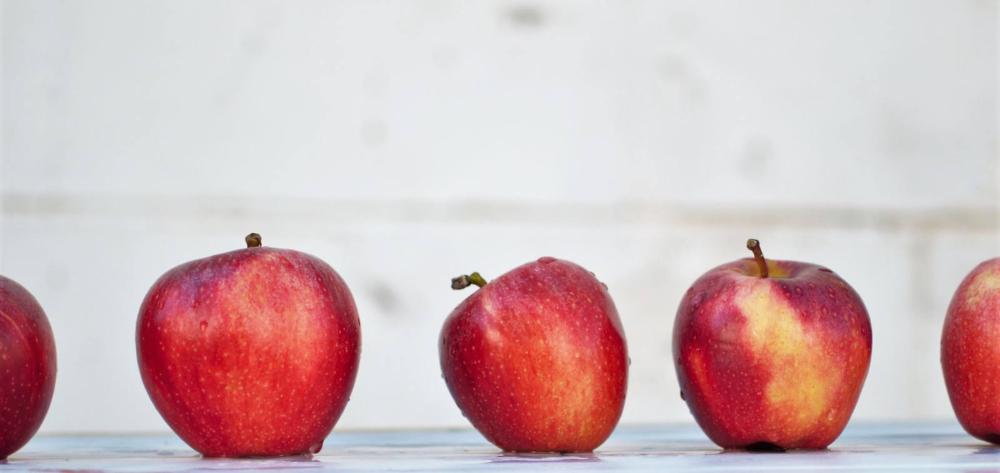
{"x":800,"y":389}
{"x":983,"y":285}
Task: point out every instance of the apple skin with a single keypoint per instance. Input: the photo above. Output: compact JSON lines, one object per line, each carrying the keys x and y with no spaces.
{"x":537,"y":360}
{"x":771,"y":363}
{"x":970,"y":353}
{"x":27,"y":366}
{"x":250,"y":353}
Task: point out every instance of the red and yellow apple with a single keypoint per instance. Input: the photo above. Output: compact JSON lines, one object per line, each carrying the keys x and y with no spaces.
{"x":250,"y":353}
{"x":970,"y":352}
{"x":27,"y":366}
{"x":536,"y":359}
{"x":771,"y":354}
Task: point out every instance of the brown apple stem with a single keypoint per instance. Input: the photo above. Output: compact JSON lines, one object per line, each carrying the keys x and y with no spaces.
{"x":467,"y":280}
{"x":754,"y":246}
{"x":253,"y":240}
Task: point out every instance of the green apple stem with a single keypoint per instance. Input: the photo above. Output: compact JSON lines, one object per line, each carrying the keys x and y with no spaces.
{"x":467,"y":280}
{"x":253,"y":240}
{"x":754,"y":246}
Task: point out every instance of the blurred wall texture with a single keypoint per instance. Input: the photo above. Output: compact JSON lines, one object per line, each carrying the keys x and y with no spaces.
{"x":407,"y":142}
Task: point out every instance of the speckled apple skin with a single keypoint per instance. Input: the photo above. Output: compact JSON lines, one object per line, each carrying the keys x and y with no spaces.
{"x":970,"y":351}
{"x":250,"y":353}
{"x":27,"y":366}
{"x":775,"y":362}
{"x":537,"y":360}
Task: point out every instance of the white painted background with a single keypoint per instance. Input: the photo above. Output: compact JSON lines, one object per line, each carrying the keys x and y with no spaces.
{"x":406,"y":142}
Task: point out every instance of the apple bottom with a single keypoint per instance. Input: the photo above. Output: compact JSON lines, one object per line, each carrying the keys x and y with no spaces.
{"x":972,"y":377}
{"x":777,"y":405}
{"x":268,"y":401}
{"x":539,"y":399}
{"x":24,"y":399}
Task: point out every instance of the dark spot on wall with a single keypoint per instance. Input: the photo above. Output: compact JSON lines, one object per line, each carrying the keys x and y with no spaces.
{"x":385,"y":297}
{"x":681,"y":78}
{"x":525,"y":16}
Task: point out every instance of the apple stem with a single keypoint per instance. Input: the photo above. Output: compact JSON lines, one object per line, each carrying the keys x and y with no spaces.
{"x":253,"y":240}
{"x":754,"y":246}
{"x":467,"y":280}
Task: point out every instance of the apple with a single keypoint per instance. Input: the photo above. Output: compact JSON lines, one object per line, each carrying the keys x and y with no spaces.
{"x":771,"y":354}
{"x":536,"y":359}
{"x":27,"y":366}
{"x":970,"y":354}
{"x":250,"y":353}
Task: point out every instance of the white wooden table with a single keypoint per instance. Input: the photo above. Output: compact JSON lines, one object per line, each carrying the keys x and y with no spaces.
{"x":863,"y":447}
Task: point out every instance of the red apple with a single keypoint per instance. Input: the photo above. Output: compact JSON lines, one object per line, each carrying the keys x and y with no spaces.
{"x":251,"y":352}
{"x":536,"y":359}
{"x":27,"y":366}
{"x":771,"y":354}
{"x":970,"y":352}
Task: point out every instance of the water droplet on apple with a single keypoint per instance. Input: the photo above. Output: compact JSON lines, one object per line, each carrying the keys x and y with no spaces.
{"x":203,"y":325}
{"x":314,"y":449}
{"x":546,"y":259}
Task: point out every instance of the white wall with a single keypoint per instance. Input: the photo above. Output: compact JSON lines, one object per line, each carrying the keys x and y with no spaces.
{"x":407,"y":142}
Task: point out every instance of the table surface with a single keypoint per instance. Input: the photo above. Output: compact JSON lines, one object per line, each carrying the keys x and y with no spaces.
{"x":863,"y":447}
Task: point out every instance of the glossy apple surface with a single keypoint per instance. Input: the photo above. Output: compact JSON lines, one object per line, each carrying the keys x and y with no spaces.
{"x":250,"y":353}
{"x":536,"y":359}
{"x":27,"y":366}
{"x":970,"y":352}
{"x":772,"y":362}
